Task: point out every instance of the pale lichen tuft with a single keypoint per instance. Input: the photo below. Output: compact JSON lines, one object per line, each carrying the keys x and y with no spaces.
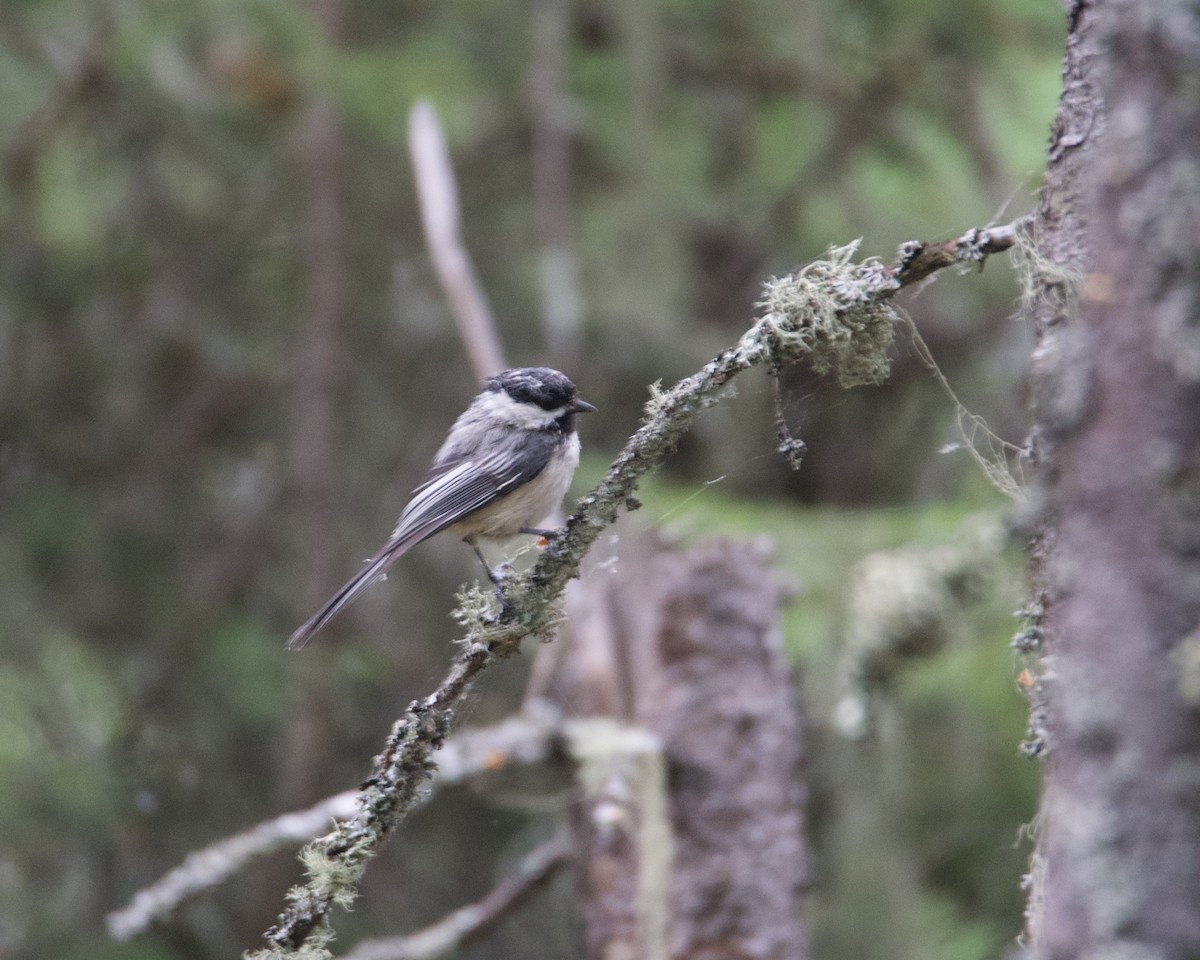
{"x":831,"y":313}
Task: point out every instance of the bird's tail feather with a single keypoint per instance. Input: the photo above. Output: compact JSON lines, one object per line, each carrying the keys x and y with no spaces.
{"x":375,"y":568}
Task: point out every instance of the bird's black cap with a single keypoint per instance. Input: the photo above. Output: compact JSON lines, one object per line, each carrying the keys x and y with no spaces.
{"x":541,"y":386}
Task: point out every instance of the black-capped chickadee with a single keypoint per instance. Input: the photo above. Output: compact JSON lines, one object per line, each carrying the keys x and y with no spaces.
{"x":506,"y":465}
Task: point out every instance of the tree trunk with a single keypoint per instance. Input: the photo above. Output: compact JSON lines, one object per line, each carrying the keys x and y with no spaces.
{"x":690,"y":839}
{"x":313,"y":455}
{"x":1117,"y":871}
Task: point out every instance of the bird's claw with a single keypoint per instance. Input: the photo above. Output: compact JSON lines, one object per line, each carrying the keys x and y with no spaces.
{"x":498,"y":576}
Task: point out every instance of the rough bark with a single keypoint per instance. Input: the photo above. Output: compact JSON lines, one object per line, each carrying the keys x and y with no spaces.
{"x":1117,"y":873}
{"x":692,"y":644}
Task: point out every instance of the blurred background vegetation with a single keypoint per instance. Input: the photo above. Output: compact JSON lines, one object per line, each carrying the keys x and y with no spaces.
{"x":157,"y":173}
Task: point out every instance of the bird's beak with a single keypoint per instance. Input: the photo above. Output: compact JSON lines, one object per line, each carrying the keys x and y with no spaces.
{"x":581,"y":406}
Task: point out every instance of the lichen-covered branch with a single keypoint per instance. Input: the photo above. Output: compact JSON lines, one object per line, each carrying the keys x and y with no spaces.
{"x":837,"y":314}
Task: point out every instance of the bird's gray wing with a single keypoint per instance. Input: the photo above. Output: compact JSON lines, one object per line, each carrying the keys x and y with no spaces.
{"x":455,"y":489}
{"x":450,"y":491}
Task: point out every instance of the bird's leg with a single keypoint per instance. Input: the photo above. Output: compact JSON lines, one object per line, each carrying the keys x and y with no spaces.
{"x":495,"y":576}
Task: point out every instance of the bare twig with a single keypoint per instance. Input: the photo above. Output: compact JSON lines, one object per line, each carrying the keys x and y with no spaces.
{"x":918,"y":260}
{"x":207,"y":868}
{"x":457,"y":929}
{"x":523,"y":740}
{"x":835,"y":313}
{"x":438,"y":196}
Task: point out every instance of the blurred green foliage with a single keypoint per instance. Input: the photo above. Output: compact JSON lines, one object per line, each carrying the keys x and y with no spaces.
{"x":153,"y":272}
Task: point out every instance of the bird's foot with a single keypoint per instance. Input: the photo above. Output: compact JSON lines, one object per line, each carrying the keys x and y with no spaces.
{"x":498,"y":576}
{"x":547,"y":539}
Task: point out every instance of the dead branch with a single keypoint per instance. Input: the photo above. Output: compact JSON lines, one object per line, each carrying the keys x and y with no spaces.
{"x":464,"y":925}
{"x":837,"y":314}
{"x":440,"y":217}
{"x":522,"y":740}
{"x":918,"y":260}
{"x":207,"y":868}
